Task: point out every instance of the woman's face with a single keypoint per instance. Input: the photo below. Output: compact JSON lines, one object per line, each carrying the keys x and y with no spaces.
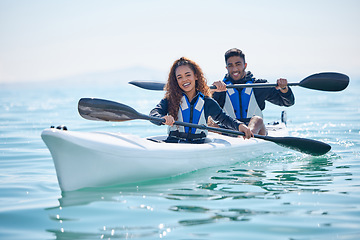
{"x":186,"y":79}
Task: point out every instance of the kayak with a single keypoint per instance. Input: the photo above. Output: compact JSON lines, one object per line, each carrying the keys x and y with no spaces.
{"x":99,"y":159}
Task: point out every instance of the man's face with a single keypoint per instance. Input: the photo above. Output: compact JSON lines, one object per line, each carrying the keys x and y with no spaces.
{"x":236,"y":67}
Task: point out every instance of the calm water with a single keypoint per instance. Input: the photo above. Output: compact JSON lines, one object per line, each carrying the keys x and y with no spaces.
{"x":283,"y":195}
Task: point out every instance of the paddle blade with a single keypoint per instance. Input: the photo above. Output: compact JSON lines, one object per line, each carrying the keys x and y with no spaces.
{"x":327,"y":81}
{"x":157,"y":86}
{"x":304,"y":145}
{"x":104,"y":110}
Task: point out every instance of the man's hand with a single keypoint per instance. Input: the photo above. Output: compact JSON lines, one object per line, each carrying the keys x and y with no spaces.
{"x":282,"y":85}
{"x":248,"y":133}
{"x":220,"y":86}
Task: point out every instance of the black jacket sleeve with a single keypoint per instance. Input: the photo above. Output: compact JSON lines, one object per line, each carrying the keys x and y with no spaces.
{"x":213,"y":109}
{"x":274,"y":96}
{"x":160,"y":110}
{"x":219,"y":97}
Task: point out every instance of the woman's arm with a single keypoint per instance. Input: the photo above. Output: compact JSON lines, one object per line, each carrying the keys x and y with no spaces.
{"x":213,"y":109}
{"x":160,"y":111}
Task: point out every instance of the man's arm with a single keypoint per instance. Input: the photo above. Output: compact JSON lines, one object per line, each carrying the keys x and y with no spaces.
{"x":274,"y":96}
{"x":219,"y":97}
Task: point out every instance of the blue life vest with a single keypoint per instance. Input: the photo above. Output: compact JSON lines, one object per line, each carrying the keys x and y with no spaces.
{"x":191,"y":114}
{"x":241,"y":105}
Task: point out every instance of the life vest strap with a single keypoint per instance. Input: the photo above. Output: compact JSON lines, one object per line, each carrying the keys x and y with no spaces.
{"x":187,"y":137}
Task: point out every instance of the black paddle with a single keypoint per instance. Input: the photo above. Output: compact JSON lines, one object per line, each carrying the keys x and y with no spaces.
{"x":326,"y":81}
{"x":104,"y":110}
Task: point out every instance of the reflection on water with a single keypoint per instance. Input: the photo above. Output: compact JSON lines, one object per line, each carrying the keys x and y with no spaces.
{"x":157,"y":209}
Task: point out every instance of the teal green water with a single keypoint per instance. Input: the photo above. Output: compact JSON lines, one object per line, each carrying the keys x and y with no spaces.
{"x":283,"y":195}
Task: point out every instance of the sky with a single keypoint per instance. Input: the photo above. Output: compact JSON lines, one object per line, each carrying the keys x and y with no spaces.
{"x":42,"y":40}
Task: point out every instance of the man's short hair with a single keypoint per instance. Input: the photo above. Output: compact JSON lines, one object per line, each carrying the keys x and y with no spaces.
{"x":234,"y":52}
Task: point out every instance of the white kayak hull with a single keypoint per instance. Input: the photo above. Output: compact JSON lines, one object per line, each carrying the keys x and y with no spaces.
{"x":98,"y":159}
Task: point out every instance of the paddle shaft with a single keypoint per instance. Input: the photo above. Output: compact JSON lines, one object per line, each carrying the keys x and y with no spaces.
{"x":304,"y":145}
{"x":204,"y":127}
{"x":255,"y":85}
{"x":158,"y":86}
{"x":326,"y":81}
{"x":214,"y":129}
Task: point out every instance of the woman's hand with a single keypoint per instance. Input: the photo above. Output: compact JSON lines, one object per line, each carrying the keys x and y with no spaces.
{"x":248,"y":133}
{"x":169,"y":120}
